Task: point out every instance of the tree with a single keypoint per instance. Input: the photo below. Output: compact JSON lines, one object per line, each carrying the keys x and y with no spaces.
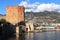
{"x":22,"y":23}
{"x":2,"y":20}
{"x":7,"y":29}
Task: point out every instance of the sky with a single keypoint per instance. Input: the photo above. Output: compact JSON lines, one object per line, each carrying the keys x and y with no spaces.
{"x":31,"y":5}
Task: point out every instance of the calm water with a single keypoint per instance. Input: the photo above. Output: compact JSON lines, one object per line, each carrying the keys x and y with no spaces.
{"x":54,"y":35}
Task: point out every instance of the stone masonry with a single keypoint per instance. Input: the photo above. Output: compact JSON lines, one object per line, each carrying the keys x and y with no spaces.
{"x":14,"y":14}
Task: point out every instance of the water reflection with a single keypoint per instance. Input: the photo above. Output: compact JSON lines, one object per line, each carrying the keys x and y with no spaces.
{"x":21,"y":37}
{"x":47,"y":36}
{"x":29,"y":36}
{"x":54,"y":35}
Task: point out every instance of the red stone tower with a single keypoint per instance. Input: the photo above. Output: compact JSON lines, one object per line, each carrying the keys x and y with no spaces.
{"x":14,"y":14}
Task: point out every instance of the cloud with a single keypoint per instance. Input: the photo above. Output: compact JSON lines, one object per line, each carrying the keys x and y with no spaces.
{"x":29,"y":7}
{"x":26,"y":5}
{"x":37,"y":7}
{"x":48,"y":7}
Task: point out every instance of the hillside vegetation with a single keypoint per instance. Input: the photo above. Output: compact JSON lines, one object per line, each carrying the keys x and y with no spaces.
{"x":46,"y":16}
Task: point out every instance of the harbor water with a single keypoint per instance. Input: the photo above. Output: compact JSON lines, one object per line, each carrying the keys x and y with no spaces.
{"x":52,"y":35}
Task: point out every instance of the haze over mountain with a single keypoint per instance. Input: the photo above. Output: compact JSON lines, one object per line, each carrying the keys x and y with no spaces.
{"x":2,"y":14}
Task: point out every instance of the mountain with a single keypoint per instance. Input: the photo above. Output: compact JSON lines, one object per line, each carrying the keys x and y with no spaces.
{"x":46,"y":16}
{"x":2,"y":15}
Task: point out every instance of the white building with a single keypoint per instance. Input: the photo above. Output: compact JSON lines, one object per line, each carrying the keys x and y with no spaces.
{"x":55,"y":24}
{"x":29,"y":27}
